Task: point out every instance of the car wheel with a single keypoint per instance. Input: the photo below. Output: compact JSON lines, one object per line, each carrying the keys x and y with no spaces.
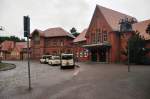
{"x":61,"y":67}
{"x":51,"y":63}
{"x":73,"y":67}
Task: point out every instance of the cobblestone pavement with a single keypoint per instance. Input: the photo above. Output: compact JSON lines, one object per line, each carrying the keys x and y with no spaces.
{"x":90,"y":81}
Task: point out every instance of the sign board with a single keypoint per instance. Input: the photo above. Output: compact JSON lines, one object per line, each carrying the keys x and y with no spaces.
{"x":26,"y":26}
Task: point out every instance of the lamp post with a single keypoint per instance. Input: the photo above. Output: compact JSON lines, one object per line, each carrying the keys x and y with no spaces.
{"x":27,"y":34}
{"x":128,"y":55}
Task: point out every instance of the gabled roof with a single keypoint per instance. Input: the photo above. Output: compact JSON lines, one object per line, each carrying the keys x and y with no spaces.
{"x":7,"y":45}
{"x":112,"y":17}
{"x":141,"y":28}
{"x":20,"y":45}
{"x":80,"y":37}
{"x":55,"y":32}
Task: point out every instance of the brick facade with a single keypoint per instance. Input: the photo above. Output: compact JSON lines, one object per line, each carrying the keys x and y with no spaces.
{"x":42,"y":44}
{"x":103,"y":36}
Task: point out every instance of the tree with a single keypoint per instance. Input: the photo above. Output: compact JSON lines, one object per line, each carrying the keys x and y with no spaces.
{"x":137,"y":50}
{"x":74,"y":32}
{"x":11,"y":38}
{"x":148,"y":29}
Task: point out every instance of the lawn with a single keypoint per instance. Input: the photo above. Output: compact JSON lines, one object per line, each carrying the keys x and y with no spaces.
{"x":6,"y":66}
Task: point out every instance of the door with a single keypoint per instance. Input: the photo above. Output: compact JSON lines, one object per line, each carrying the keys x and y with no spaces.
{"x":93,"y":56}
{"x":102,"y":55}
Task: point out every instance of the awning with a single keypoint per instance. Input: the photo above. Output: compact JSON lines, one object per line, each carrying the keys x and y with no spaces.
{"x":104,"y":44}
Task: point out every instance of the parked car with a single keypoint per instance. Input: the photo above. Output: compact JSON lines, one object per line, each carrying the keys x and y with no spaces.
{"x":67,"y":60}
{"x":54,"y":60}
{"x":45,"y":58}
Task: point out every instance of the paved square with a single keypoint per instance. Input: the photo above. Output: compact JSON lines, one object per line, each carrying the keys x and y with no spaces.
{"x":90,"y":81}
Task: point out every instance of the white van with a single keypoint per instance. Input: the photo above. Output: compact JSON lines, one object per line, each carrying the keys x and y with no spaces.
{"x":45,"y":58}
{"x":54,"y":60}
{"x":67,"y":60}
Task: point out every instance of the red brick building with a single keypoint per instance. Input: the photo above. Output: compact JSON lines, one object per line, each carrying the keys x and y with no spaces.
{"x":103,"y":35}
{"x":6,"y":48}
{"x":11,"y":50}
{"x":19,"y":52}
{"x":80,"y":52}
{"x":52,"y":41}
{"x":103,"y":41}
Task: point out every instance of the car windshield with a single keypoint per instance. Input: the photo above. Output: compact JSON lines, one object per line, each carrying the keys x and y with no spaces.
{"x":44,"y":57}
{"x":49,"y":57}
{"x":67,"y":57}
{"x":56,"y":57}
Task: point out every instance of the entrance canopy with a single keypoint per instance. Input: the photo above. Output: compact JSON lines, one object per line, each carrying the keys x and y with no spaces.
{"x":104,"y":44}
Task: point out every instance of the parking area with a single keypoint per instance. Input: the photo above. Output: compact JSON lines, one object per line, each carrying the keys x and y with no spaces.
{"x":42,"y":75}
{"x":90,"y":81}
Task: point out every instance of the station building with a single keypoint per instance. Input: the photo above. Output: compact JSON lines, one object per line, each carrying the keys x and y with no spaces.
{"x":103,"y":41}
{"x":108,"y":34}
{"x":52,"y":41}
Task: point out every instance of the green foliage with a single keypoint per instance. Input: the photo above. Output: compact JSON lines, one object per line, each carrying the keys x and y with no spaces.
{"x":148,"y":29}
{"x":74,"y":32}
{"x":11,"y":38}
{"x":137,"y":50}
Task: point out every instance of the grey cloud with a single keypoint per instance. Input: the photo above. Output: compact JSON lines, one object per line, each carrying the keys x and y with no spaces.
{"x":65,"y":13}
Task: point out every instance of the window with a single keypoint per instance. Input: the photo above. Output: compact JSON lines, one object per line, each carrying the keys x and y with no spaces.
{"x":54,"y":42}
{"x":100,"y":37}
{"x":81,"y":54}
{"x":91,"y":38}
{"x":85,"y":53}
{"x":94,"y":37}
{"x":47,"y":42}
{"x":105,"y":36}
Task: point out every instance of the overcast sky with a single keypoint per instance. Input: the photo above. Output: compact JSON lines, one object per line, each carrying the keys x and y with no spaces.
{"x":62,"y":13}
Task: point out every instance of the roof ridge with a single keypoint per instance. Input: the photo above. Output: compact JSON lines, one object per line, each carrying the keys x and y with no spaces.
{"x":113,"y":10}
{"x":52,"y":28}
{"x":104,"y":15}
{"x":112,"y":17}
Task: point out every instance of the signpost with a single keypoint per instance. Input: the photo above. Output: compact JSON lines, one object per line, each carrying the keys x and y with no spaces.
{"x":128,"y":55}
{"x":27,"y":34}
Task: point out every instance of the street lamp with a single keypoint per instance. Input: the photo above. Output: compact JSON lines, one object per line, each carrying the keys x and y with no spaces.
{"x":27,"y":34}
{"x":128,"y":55}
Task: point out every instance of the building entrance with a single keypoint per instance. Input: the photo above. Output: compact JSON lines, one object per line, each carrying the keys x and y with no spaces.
{"x":102,"y":55}
{"x":93,"y":55}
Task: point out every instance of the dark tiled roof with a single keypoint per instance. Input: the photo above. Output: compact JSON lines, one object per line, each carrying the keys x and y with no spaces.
{"x":141,"y":28}
{"x":113,"y":17}
{"x":81,"y":36}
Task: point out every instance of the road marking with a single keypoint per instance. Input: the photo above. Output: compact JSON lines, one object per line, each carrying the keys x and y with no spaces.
{"x":76,"y":72}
